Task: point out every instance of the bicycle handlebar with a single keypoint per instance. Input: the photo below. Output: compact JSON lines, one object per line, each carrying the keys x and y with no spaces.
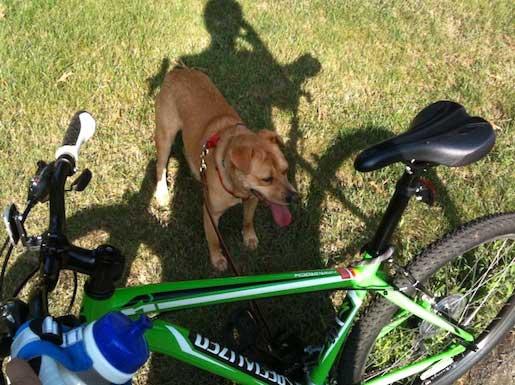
{"x":104,"y":265}
{"x":80,"y":130}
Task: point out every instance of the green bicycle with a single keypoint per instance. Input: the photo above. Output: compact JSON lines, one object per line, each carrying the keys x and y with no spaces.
{"x":430,"y":323}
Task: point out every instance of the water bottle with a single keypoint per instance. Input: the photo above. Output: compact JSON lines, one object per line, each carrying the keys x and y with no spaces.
{"x":107,"y":351}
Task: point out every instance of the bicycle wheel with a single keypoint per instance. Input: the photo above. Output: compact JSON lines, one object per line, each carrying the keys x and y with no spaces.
{"x":470,"y":272}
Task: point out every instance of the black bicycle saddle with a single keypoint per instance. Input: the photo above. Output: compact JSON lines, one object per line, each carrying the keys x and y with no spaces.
{"x":442,"y":133}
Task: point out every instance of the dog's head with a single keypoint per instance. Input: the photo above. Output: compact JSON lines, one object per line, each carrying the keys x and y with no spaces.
{"x":261,"y":168}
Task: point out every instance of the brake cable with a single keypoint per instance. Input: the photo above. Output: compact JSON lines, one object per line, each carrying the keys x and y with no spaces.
{"x":74,"y":294}
{"x":5,"y":244}
{"x":4,"y":265}
{"x":24,"y":216}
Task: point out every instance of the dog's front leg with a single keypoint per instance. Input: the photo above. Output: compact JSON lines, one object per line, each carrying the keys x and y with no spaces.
{"x":249,"y":233}
{"x":215,"y":251}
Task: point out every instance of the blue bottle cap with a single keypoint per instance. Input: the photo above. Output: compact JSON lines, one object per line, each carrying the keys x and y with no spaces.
{"x":121,"y":342}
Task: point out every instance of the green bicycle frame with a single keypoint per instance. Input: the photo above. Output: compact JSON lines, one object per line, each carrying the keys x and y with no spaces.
{"x":199,"y":351}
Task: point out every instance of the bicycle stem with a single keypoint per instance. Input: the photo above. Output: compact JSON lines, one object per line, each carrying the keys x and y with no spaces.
{"x":104,"y":264}
{"x":63,"y":168}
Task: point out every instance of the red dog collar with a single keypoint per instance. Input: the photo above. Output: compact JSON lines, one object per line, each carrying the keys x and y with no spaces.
{"x":212,"y":142}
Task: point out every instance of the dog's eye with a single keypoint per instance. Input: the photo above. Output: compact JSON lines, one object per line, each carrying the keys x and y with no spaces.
{"x":268,"y":180}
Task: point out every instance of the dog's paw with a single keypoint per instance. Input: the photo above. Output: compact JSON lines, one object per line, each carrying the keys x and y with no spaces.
{"x":250,"y":239}
{"x":219,"y":263}
{"x":162,"y":196}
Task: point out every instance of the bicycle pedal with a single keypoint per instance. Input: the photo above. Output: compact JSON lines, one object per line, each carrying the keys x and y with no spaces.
{"x":289,"y":347}
{"x":241,"y":330}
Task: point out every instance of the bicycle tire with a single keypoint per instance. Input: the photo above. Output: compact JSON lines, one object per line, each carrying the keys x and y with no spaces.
{"x":482,"y":231}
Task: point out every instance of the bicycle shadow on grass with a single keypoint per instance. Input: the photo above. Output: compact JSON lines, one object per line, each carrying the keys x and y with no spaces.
{"x":181,"y":246}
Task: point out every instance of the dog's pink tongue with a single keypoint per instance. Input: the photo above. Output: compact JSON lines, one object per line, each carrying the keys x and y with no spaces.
{"x":282,"y":215}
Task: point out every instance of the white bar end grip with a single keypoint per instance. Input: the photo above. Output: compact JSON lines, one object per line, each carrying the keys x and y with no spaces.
{"x":81,"y":129}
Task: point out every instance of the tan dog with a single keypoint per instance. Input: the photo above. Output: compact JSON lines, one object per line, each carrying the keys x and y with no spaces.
{"x":243,"y":167}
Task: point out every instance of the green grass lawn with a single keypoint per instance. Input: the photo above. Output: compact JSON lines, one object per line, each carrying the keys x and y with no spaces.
{"x":332,"y":77}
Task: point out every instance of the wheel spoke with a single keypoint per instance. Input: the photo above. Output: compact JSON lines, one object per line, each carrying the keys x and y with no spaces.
{"x":399,"y":362}
{"x":477,"y":286}
{"x":490,"y":293}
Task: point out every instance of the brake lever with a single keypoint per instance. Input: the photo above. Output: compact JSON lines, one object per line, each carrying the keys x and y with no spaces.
{"x":39,"y":184}
{"x":82,"y":181}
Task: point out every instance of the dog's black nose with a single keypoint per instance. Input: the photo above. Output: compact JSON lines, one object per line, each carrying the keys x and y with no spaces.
{"x":291,"y":197}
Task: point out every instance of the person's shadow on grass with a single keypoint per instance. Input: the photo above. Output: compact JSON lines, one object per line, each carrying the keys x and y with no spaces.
{"x":250,"y":78}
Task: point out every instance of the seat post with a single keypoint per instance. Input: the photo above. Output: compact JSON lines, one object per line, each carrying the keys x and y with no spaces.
{"x":406,"y":187}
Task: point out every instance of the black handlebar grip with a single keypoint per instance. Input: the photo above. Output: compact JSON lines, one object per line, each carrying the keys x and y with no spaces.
{"x":73,"y":131}
{"x":81,"y":128}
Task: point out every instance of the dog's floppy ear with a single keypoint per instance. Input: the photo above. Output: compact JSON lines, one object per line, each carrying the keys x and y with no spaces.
{"x":271,"y":136}
{"x":241,"y":156}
